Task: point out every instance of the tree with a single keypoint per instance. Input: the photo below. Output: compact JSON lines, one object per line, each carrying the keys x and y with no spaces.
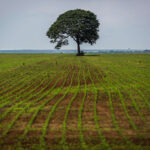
{"x":80,"y":25}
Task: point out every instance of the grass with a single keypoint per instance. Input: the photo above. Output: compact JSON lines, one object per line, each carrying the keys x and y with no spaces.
{"x":37,"y":92}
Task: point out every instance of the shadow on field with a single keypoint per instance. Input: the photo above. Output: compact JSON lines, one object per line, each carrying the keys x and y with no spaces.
{"x":91,"y":55}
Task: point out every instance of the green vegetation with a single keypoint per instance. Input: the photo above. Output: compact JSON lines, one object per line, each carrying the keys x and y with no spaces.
{"x":80,"y":25}
{"x":60,"y":101}
{"x":81,"y":136}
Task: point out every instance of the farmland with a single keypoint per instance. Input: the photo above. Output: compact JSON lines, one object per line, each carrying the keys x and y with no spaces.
{"x":60,"y":101}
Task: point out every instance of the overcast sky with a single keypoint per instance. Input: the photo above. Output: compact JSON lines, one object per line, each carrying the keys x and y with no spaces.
{"x":124,"y":23}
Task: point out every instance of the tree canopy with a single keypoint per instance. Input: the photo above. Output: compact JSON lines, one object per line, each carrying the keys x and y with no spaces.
{"x":81,"y":25}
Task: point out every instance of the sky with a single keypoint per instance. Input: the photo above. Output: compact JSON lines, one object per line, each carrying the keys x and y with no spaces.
{"x":123,"y":23}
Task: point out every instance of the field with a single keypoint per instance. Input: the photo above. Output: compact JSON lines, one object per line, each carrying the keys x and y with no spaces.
{"x":60,"y":101}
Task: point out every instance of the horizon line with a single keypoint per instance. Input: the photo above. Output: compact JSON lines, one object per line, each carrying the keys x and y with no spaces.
{"x":75,"y":49}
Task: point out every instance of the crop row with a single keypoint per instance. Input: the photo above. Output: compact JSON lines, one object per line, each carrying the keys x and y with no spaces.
{"x":55,"y":91}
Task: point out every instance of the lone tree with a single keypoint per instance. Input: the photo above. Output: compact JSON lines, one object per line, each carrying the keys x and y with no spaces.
{"x":80,"y":25}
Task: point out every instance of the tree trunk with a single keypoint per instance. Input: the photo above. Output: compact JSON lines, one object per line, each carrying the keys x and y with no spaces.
{"x":78,"y":47}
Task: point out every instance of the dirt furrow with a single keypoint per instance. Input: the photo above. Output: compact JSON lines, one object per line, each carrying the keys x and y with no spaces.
{"x":54,"y":131}
{"x":88,"y":125}
{"x":105,"y":118}
{"x":72,"y":133}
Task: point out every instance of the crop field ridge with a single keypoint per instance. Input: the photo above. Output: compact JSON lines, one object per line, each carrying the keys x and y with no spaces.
{"x":64,"y":102}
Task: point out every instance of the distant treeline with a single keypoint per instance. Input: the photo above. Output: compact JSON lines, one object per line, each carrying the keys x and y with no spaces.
{"x":74,"y":51}
{"x":123,"y":51}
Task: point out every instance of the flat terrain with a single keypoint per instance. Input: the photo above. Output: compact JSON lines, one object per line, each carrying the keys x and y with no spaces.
{"x":60,"y":101}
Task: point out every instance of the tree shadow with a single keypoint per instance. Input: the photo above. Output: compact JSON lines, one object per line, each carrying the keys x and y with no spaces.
{"x":92,"y":55}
